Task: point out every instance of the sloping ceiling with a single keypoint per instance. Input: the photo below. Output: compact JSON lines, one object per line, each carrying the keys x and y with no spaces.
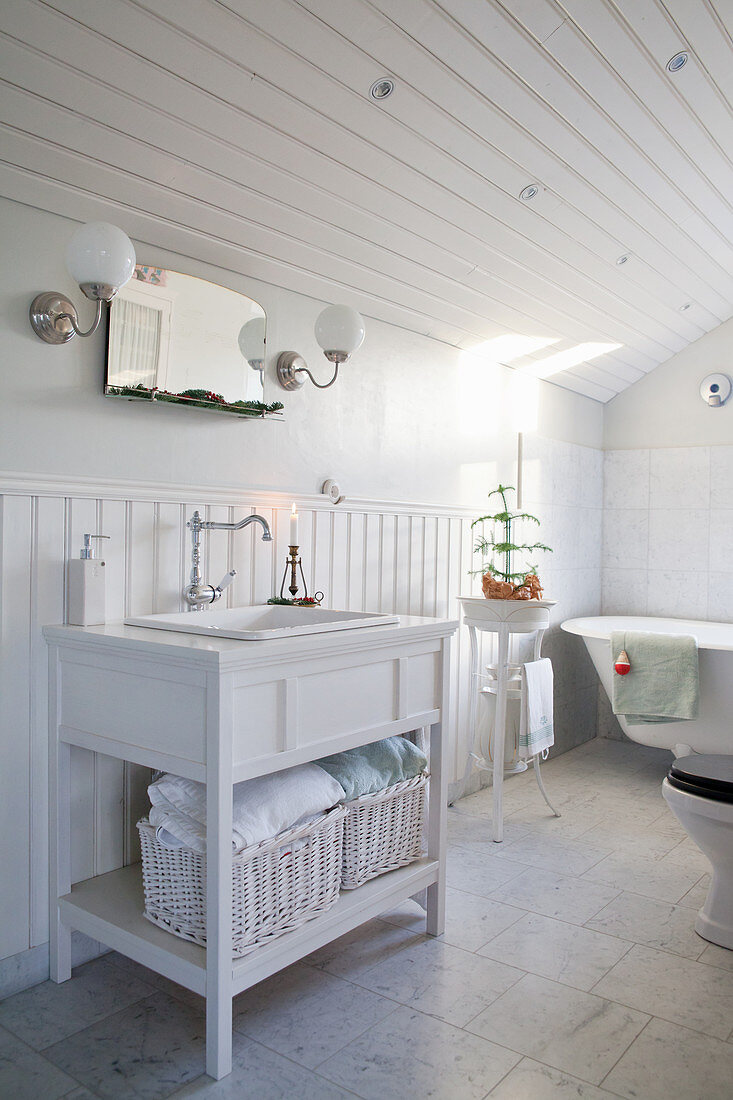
{"x":251,"y":123}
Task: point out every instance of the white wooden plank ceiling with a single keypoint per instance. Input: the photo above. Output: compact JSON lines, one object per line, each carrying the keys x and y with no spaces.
{"x":249,"y":124}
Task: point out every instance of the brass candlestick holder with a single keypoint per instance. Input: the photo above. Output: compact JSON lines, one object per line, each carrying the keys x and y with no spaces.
{"x":292,"y":563}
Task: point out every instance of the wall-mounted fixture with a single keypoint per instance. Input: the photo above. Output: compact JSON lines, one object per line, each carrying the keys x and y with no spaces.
{"x":251,"y":341}
{"x":339,"y":331}
{"x":102,"y":259}
{"x":715,"y":390}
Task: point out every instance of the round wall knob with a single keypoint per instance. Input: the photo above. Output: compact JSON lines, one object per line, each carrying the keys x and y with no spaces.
{"x":332,"y":490}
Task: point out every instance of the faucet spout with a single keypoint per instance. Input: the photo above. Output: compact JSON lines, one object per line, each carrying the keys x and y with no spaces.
{"x":196,"y":594}
{"x":266,"y":532}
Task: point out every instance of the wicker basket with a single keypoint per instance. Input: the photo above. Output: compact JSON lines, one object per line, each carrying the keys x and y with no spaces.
{"x":277,"y":885}
{"x":383,"y":831}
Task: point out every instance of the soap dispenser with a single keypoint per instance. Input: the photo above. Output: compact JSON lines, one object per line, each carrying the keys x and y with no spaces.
{"x":87,"y":602}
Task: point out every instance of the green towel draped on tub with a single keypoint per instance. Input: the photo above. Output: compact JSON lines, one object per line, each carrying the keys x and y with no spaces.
{"x":663,"y":684}
{"x":371,"y":768}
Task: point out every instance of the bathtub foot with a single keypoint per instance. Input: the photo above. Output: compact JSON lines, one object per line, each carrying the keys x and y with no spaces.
{"x":541,"y":785}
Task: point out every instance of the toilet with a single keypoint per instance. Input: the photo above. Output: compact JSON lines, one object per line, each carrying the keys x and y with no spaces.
{"x":699,"y":792}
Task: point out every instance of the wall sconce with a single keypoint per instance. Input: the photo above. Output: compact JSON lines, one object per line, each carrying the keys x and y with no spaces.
{"x":339,"y":331}
{"x":251,"y":341}
{"x":102,"y":259}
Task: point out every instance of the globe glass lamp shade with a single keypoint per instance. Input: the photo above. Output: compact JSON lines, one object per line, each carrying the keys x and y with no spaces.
{"x":251,"y":340}
{"x":340,"y":329}
{"x":101,"y":258}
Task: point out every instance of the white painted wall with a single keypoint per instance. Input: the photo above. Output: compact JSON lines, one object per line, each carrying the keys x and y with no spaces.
{"x":664,"y":409}
{"x":410,"y":421}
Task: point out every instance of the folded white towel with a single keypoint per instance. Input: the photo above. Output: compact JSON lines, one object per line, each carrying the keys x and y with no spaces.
{"x":262,"y":807}
{"x":536,"y":730}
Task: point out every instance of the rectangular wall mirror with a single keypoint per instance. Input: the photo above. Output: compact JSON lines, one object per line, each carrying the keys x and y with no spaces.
{"x":181,"y":340}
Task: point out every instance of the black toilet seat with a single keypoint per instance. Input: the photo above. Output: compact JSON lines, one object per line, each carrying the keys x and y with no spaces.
{"x":707,"y":776}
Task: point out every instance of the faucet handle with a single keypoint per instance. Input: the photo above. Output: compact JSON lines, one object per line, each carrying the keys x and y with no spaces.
{"x":225,"y":581}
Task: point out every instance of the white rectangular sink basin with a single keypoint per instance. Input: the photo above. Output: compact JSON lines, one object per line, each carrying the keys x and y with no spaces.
{"x":261,"y":622}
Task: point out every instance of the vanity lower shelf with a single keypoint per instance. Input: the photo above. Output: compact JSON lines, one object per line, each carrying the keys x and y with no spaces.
{"x":109,"y":908}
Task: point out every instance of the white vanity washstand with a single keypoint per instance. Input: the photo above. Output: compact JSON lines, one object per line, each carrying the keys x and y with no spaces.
{"x":220,"y":711}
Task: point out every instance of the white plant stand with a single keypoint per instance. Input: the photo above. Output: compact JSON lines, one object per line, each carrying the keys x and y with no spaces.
{"x":220,"y":711}
{"x":503,"y":618}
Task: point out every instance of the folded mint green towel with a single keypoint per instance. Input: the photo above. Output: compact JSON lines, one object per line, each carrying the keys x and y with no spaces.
{"x":371,"y":768}
{"x":663,"y":684}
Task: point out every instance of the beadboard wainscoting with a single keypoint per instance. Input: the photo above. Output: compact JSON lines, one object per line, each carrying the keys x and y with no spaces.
{"x":364,"y":554}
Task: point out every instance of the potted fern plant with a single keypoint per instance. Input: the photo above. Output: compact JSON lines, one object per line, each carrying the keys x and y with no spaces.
{"x":500,"y":580}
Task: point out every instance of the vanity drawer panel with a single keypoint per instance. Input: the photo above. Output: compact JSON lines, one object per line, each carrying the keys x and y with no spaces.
{"x":423,"y":683}
{"x":259,"y":717}
{"x":334,"y":702}
{"x":125,"y":705}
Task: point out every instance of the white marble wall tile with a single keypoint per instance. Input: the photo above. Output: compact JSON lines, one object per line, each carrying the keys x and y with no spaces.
{"x":624,"y":592}
{"x":720,"y":597}
{"x":591,"y":476}
{"x":555,"y":949}
{"x":565,"y":1028}
{"x":411,"y":1055}
{"x":626,"y":479}
{"x":689,"y":568}
{"x":686,"y":1065}
{"x":679,"y":990}
{"x":721,"y":477}
{"x":679,"y":477}
{"x":625,"y":538}
{"x":681,"y":595}
{"x":678,"y":540}
{"x":721,"y":540}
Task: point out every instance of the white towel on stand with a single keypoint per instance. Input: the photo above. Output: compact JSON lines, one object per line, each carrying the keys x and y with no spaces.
{"x":536,"y":730}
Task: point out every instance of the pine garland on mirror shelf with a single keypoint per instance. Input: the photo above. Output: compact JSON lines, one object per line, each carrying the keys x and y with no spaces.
{"x":198,"y":399}
{"x":506,"y":583}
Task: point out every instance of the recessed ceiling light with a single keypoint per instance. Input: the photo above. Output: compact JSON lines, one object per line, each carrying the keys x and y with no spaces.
{"x":677,"y":62}
{"x":380,"y":89}
{"x":623,"y":259}
{"x":685,"y":306}
{"x":529,"y":192}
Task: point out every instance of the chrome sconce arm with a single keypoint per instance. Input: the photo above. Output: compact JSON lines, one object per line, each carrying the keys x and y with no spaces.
{"x":340,"y":331}
{"x":102,"y":259}
{"x":290,"y":365}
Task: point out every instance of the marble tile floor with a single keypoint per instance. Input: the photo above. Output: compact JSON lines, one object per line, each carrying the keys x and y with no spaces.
{"x":569,"y":968}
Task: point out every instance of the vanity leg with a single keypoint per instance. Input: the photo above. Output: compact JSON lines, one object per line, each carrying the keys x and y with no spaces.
{"x":59,"y":847}
{"x":437,"y":804}
{"x":218,"y":888}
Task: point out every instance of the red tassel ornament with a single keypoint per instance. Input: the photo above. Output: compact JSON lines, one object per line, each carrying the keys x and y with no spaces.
{"x":622,"y":664}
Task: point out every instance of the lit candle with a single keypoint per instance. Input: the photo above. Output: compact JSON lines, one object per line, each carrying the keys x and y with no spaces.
{"x":294,"y":527}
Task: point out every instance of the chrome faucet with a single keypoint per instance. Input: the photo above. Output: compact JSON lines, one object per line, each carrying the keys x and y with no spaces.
{"x":197,"y":594}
